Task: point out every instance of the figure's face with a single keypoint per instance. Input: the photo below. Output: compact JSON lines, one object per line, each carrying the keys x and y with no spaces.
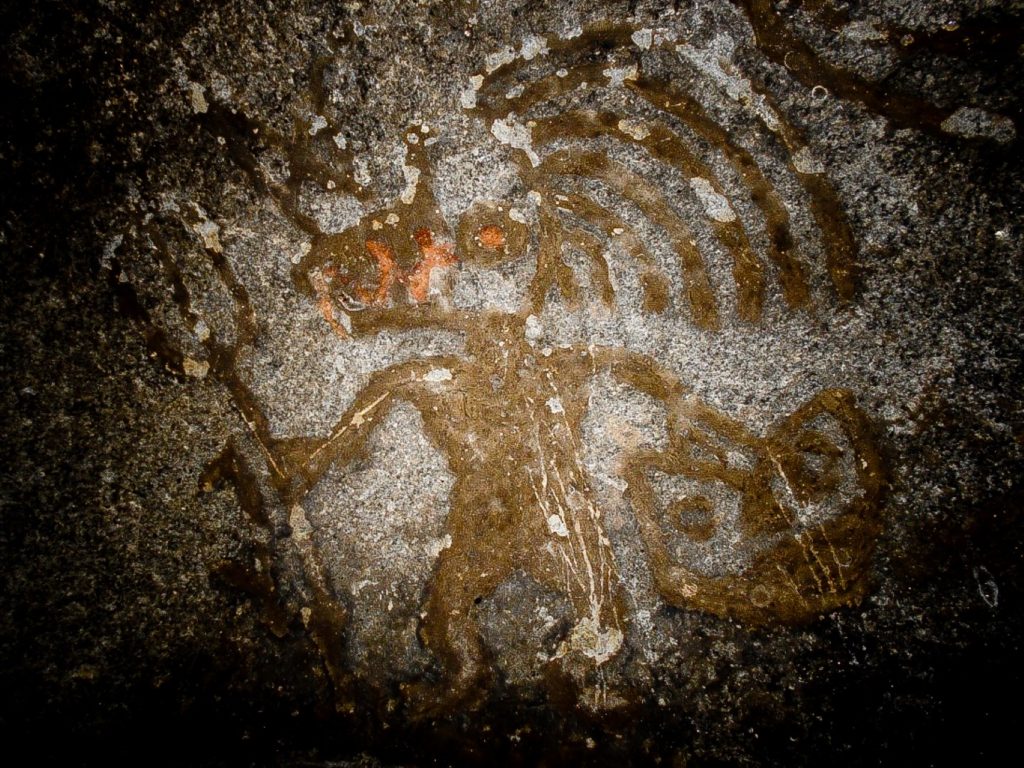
{"x":396,"y":259}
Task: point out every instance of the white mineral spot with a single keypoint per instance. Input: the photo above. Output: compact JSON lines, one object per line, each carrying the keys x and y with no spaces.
{"x":516,"y":215}
{"x":210,"y":233}
{"x":392,"y":219}
{"x":533,"y":197}
{"x":975,"y":123}
{"x":715,"y":205}
{"x":590,"y":639}
{"x":643,"y":38}
{"x":615,"y":482}
{"x":563,"y":72}
{"x":710,"y":62}
{"x":413,"y":138}
{"x":468,"y":95}
{"x":664,"y":36}
{"x":557,"y":526}
{"x":435,"y":375}
{"x":197,"y":369}
{"x":202,"y":330}
{"x":499,"y":59}
{"x":219,"y":86}
{"x":518,"y":136}
{"x":344,"y":319}
{"x":197,"y":97}
{"x":862,"y":31}
{"x":318,"y":124}
{"x":636,"y":128}
{"x":806,"y":162}
{"x":515,"y":92}
{"x":573,"y":33}
{"x":362,"y":171}
{"x":554,"y":405}
{"x":303,"y":250}
{"x":619,"y":75}
{"x":437,"y":546}
{"x":110,"y":251}
{"x":412,"y":178}
{"x":533,"y":330}
{"x":339,"y":141}
{"x":533,"y":45}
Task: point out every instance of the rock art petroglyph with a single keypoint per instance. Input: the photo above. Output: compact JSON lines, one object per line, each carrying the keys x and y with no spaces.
{"x":796,"y":505}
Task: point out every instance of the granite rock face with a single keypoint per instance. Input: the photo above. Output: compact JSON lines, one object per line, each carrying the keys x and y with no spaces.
{"x":458,"y":382}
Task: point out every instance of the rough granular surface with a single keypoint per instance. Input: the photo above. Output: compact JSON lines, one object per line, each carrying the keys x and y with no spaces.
{"x":511,"y":382}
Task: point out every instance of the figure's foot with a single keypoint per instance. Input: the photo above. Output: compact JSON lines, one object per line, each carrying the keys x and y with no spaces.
{"x":427,"y":700}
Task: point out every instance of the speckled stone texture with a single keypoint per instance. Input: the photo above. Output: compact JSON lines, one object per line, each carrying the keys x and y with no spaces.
{"x":511,"y":382}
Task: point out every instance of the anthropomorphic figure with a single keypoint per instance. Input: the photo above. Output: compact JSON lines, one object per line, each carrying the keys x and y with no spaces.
{"x":507,"y":414}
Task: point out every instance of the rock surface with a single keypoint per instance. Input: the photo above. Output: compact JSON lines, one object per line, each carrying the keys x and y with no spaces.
{"x":527,"y":383}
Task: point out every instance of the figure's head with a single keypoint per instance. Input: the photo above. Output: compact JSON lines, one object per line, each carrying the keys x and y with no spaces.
{"x":405,"y":257}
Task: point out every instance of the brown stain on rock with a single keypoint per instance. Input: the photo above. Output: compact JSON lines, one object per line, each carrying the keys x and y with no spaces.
{"x":1001,"y":39}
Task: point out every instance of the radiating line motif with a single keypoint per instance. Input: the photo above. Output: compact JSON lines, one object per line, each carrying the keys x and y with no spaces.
{"x":525,"y":103}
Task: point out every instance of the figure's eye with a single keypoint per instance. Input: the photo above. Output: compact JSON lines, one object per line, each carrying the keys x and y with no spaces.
{"x":491,"y":233}
{"x":491,"y":236}
{"x":694,"y":516}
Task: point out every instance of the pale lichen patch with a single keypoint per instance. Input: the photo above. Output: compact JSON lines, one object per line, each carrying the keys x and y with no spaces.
{"x":805,"y":161}
{"x":436,"y":375}
{"x":643,"y":38}
{"x":533,"y":45}
{"x":197,"y":369}
{"x":976,"y":123}
{"x":412,"y":178}
{"x":619,"y":75}
{"x":518,"y":136}
{"x":197,"y":98}
{"x":716,"y":206}
{"x":637,"y":129}
{"x":495,"y":60}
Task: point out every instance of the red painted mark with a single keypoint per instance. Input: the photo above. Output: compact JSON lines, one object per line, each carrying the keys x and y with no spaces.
{"x":432,"y":256}
{"x":320,"y":280}
{"x":491,"y":236}
{"x":417,"y":282}
{"x":388,"y":270}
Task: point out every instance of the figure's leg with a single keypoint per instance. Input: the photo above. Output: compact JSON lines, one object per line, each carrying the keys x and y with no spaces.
{"x":450,"y":630}
{"x":483,"y":554}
